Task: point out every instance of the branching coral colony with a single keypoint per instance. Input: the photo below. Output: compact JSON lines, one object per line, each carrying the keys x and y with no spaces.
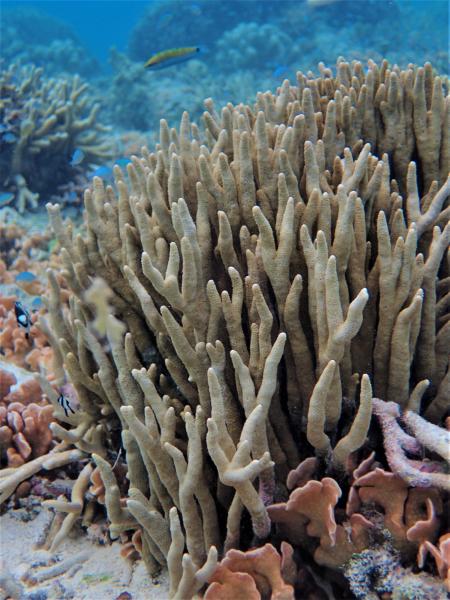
{"x":241,"y":306}
{"x":43,"y":122}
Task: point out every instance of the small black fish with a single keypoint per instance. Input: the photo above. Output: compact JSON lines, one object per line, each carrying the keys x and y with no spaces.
{"x":65,"y":405}
{"x":22,"y":317}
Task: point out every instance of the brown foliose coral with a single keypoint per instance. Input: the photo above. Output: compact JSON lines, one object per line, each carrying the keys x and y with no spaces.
{"x":262,"y":280}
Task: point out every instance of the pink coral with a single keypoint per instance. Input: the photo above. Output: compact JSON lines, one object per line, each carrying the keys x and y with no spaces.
{"x":410,"y":514}
{"x":24,"y":421}
{"x":97,"y":488}
{"x":441,"y":555}
{"x":7,"y":380}
{"x":29,"y":391}
{"x":252,"y":575}
{"x":131,"y":545}
{"x":377,"y":501}
{"x":24,"y":432}
{"x":33,"y":353}
{"x":309,"y":510}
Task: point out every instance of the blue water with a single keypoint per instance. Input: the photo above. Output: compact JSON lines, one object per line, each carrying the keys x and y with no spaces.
{"x":99,"y":24}
{"x":419,"y":26}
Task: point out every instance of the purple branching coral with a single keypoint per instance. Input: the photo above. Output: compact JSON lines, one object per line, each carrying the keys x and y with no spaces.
{"x":398,"y":444}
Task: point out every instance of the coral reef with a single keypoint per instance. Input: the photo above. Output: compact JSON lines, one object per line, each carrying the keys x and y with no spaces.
{"x":10,"y":235}
{"x":241,"y":304}
{"x":248,"y":45}
{"x":24,"y":258}
{"x":232,"y":34}
{"x":44,"y":121}
{"x":178,"y":23}
{"x":29,"y":36}
{"x":33,"y":353}
{"x":254,"y":46}
{"x":25,"y":414}
{"x":381,"y":508}
{"x":20,"y":248}
{"x":138,"y":99}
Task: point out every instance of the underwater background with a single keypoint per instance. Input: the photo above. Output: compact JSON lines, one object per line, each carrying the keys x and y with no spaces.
{"x":84,"y":86}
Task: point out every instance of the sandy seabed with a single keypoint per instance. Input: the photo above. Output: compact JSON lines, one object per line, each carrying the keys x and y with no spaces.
{"x":79,"y":569}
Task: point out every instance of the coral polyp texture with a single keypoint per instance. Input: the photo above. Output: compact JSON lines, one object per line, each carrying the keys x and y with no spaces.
{"x":44,"y":122}
{"x":259,"y":328}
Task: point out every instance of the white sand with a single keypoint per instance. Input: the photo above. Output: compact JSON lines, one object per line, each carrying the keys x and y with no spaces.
{"x":99,"y":574}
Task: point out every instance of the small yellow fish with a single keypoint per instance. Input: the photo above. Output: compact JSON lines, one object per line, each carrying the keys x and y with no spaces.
{"x":170,"y":57}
